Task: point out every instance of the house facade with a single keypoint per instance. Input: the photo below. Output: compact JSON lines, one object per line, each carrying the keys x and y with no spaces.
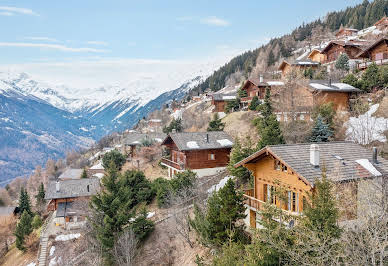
{"x":257,"y":87}
{"x":68,"y":199}
{"x":219,"y":101}
{"x":293,"y":169}
{"x":376,"y":53}
{"x":382,"y":24}
{"x":205,"y":153}
{"x":345,"y":32}
{"x":298,"y":65}
{"x":316,"y":56}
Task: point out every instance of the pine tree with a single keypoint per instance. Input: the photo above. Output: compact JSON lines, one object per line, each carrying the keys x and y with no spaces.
{"x":239,"y":152}
{"x":41,"y":194}
{"x":24,"y":202}
{"x":321,"y":132}
{"x":23,"y":229}
{"x":342,"y":62}
{"x":271,"y":59}
{"x":370,"y":78}
{"x":114,"y":156}
{"x":84,"y":174}
{"x":176,"y":124}
{"x":254,"y":103}
{"x":114,"y":204}
{"x":36,"y":222}
{"x":216,"y":124}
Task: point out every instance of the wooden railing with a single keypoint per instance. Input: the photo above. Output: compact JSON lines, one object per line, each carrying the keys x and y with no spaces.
{"x":173,"y":164}
{"x":253,"y":202}
{"x":377,"y":62}
{"x":249,"y":192}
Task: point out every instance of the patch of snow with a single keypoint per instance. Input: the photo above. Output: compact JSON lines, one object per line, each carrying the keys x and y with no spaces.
{"x":99,"y":175}
{"x":84,"y":129}
{"x":225,"y":142}
{"x":228,"y":97}
{"x":275,"y":83}
{"x":306,"y":63}
{"x":118,"y":146}
{"x":366,"y":128}
{"x":221,"y":115}
{"x":368,"y":166}
{"x":192,"y":145}
{"x":177,"y":114}
{"x":343,"y":86}
{"x":221,"y":184}
{"x":150,"y":215}
{"x":136,"y":142}
{"x":31,"y":264}
{"x":52,"y":250}
{"x":158,"y":140}
{"x":97,"y":166}
{"x":67,"y":237}
{"x":54,"y":261}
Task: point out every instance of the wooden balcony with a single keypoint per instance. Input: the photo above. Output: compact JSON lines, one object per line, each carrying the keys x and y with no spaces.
{"x":364,"y":65}
{"x":168,"y":162}
{"x":251,"y":201}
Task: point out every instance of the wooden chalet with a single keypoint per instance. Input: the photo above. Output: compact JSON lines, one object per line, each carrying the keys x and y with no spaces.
{"x":257,"y":87}
{"x":66,"y":197}
{"x":220,"y":100}
{"x":376,"y":53}
{"x":345,"y":32}
{"x":382,"y":24}
{"x":96,"y":170}
{"x":298,"y":65}
{"x":295,"y":167}
{"x":205,"y":153}
{"x":300,"y":102}
{"x":316,"y":56}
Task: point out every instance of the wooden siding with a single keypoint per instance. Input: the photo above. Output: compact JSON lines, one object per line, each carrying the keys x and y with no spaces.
{"x":336,"y":50}
{"x":316,"y":56}
{"x":219,"y":106}
{"x":199,"y":159}
{"x":340,"y":100}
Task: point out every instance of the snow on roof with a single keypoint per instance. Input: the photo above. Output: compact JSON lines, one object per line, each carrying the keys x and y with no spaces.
{"x":224,"y":142}
{"x":228,"y":97}
{"x":275,"y":83}
{"x":221,"y":184}
{"x":99,"y":175}
{"x":343,"y":86}
{"x":368,"y":166}
{"x":158,"y":140}
{"x":306,"y":63}
{"x":192,"y":145}
{"x":319,"y":86}
{"x":136,"y":142}
{"x":97,"y":166}
{"x":118,"y":146}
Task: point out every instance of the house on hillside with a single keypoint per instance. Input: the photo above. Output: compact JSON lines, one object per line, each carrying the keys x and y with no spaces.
{"x":351,"y":48}
{"x":382,"y":24}
{"x":376,"y":53}
{"x":220,"y":100}
{"x":134,"y":140}
{"x":345,"y":32}
{"x":301,"y":101}
{"x":71,"y":174}
{"x":68,"y":199}
{"x":257,"y":87}
{"x":205,"y":153}
{"x":316,"y":56}
{"x":96,"y":170}
{"x":295,"y":167}
{"x":298,"y":65}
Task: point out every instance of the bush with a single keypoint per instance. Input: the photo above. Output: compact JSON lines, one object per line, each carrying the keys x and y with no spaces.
{"x":139,"y":186}
{"x":142,"y":226}
{"x":36,"y":222}
{"x":114,"y":157}
{"x":254,"y":103}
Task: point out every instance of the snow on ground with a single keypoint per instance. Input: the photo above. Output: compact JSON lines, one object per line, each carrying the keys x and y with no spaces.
{"x":31,"y":264}
{"x":366,"y":128}
{"x":150,"y":215}
{"x":221,"y":184}
{"x":52,"y":250}
{"x":54,"y":261}
{"x":368,"y":166}
{"x":67,"y":237}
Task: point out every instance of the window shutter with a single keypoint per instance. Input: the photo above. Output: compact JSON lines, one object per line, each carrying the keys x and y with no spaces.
{"x":297,"y":202}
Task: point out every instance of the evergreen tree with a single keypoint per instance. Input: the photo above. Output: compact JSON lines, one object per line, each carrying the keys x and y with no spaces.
{"x":271,"y":58}
{"x":41,"y":194}
{"x":342,"y":62}
{"x":224,"y":208}
{"x":114,"y":157}
{"x":216,"y":124}
{"x":242,"y":93}
{"x":321,"y":131}
{"x":352,"y":80}
{"x":254,"y":103}
{"x":36,"y":222}
{"x":267,"y":125}
{"x":23,"y":229}
{"x":142,"y":226}
{"x":114,"y":204}
{"x":84,"y":174}
{"x":309,"y":73}
{"x":239,"y":152}
{"x":370,"y":78}
{"x":176,"y":124}
{"x":24,"y":202}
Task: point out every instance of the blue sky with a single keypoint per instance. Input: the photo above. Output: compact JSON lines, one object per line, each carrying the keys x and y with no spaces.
{"x":46,"y":32}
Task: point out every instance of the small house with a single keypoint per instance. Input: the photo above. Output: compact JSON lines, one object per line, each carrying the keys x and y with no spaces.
{"x":205,"y":153}
{"x":257,"y":87}
{"x":68,"y":199}
{"x":376,"y":53}
{"x":295,"y":167}
{"x":382,"y":24}
{"x":316,"y":56}
{"x":219,"y":101}
{"x":298,"y":65}
{"x":96,"y":170}
{"x":345,"y":32}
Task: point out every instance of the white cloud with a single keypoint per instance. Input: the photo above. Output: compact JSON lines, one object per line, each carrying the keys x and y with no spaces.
{"x":97,"y":43}
{"x":58,"y":47}
{"x":6,"y":13}
{"x":47,"y":39}
{"x":215,"y":21}
{"x":17,"y":10}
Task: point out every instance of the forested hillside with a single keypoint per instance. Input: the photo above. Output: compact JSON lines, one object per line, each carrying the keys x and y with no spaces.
{"x":265,"y":57}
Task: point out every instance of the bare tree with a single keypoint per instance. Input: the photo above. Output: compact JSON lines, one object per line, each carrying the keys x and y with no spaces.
{"x":125,"y":249}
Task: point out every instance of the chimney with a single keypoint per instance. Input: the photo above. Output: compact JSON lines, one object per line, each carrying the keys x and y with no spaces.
{"x":329,"y":82}
{"x":314,"y":155}
{"x":374,"y":155}
{"x":57,"y":186}
{"x":261,"y":79}
{"x":207,"y":137}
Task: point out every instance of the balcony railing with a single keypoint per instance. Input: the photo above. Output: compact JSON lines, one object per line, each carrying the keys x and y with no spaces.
{"x":377,"y":62}
{"x":173,"y":164}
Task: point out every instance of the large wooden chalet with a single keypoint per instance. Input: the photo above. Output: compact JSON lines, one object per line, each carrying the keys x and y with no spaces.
{"x":295,"y":167}
{"x":220,"y":100}
{"x":376,"y":53}
{"x":298,"y":65}
{"x":205,"y":153}
{"x":382,"y":24}
{"x":316,"y":56}
{"x":257,"y":87}
{"x":345,"y":32}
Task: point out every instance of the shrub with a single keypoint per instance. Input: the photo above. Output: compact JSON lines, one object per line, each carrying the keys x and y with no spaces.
{"x":36,"y":222}
{"x":114,"y":157}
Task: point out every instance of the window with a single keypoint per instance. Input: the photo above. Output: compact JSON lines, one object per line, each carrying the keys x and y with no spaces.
{"x":284,"y":168}
{"x":379,"y":56}
{"x":211,"y":157}
{"x":277,"y":165}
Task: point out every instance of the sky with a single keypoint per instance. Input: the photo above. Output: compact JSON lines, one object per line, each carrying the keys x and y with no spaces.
{"x":87,"y":43}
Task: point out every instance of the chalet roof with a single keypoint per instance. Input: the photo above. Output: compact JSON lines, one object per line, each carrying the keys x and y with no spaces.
{"x":315,"y":50}
{"x":333,"y":86}
{"x":303,"y":62}
{"x":71,"y":174}
{"x":268,"y":83}
{"x":345,"y":29}
{"x":73,"y":188}
{"x":5,"y":211}
{"x":186,"y":141}
{"x":383,"y":20}
{"x":372,"y":46}
{"x":224,"y":97}
{"x":137,"y":138}
{"x":356,"y":43}
{"x":342,"y":160}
